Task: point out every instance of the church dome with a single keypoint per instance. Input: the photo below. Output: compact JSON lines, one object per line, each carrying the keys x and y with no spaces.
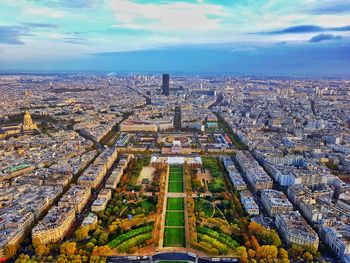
{"x":27,"y":119}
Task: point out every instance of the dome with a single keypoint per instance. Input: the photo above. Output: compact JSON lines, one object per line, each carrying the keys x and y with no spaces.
{"x":27,"y":119}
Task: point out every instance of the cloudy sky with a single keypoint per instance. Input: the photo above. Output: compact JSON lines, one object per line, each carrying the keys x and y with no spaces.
{"x":257,"y":37}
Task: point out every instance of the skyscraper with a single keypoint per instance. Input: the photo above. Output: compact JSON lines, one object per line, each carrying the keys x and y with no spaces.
{"x":165,"y":84}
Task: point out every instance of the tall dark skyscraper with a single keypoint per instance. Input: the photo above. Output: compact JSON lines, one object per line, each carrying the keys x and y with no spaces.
{"x":165,"y":84}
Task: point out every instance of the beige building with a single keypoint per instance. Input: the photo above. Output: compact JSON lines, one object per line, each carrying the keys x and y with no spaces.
{"x":295,"y":229}
{"x":102,"y":200}
{"x":77,"y":196}
{"x":54,"y":226}
{"x":12,"y":233}
{"x":275,"y":202}
{"x":133,"y":126}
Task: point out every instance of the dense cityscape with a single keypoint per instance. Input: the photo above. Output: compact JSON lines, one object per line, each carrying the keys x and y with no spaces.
{"x":193,"y":168}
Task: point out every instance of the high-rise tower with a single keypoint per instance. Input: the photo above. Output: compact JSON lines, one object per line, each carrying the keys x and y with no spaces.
{"x":166,"y":84}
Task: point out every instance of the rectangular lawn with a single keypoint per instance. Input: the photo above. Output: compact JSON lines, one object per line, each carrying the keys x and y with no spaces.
{"x":174,"y":219}
{"x":176,"y":204}
{"x":175,"y":187}
{"x":174,"y":237}
{"x":175,"y":177}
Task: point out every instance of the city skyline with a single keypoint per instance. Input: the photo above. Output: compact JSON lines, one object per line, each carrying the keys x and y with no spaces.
{"x":275,"y":38}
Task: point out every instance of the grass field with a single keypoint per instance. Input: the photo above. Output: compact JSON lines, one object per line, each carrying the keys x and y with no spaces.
{"x":175,"y":187}
{"x":175,"y":184}
{"x":174,"y":232}
{"x":175,"y":176}
{"x":174,"y":237}
{"x":175,"y":204}
{"x":174,"y":218}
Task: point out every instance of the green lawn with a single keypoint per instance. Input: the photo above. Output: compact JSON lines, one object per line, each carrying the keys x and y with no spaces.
{"x":174,"y":218}
{"x":174,"y":203}
{"x":175,"y":187}
{"x":176,"y":168}
{"x":174,"y":237}
{"x":175,"y":184}
{"x":148,"y":206}
{"x":175,"y":177}
{"x":174,"y":232}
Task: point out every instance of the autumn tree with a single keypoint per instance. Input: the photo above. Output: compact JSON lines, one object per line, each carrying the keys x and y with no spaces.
{"x":10,"y":250}
{"x":103,"y":239}
{"x":81,"y":233}
{"x":254,"y":243}
{"x":42,"y":250}
{"x":68,"y":248}
{"x":264,"y":235}
{"x":251,"y":253}
{"x":242,"y":253}
{"x":23,"y":259}
{"x":282,"y":253}
{"x":101,"y":251}
{"x":307,"y":256}
{"x":268,"y":253}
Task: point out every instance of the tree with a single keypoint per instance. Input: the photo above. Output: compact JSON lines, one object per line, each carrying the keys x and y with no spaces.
{"x":242,"y":253}
{"x":254,"y":243}
{"x":103,"y":239}
{"x":23,"y":259}
{"x":10,"y":251}
{"x":264,"y":235}
{"x":296,"y":251}
{"x":89,"y":246}
{"x":272,"y":237}
{"x":81,"y":233}
{"x":68,"y":248}
{"x":308,"y":257}
{"x":254,"y":228}
{"x":251,"y":253}
{"x":267,"y":253}
{"x":282,"y":253}
{"x":101,"y":251}
{"x":42,"y":250}
{"x":112,"y":228}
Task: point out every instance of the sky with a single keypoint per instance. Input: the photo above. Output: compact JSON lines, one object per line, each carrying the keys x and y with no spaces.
{"x":242,"y":37}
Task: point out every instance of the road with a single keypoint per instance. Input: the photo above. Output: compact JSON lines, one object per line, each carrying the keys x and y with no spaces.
{"x":172,"y":256}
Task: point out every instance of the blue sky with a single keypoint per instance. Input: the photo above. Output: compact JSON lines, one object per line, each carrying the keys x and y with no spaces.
{"x":260,"y":37}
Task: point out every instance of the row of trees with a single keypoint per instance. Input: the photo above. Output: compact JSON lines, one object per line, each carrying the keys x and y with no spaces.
{"x":132,"y":244}
{"x":208,"y":242}
{"x":264,"y":254}
{"x":67,"y":252}
{"x":225,"y":239}
{"x":130,"y":234}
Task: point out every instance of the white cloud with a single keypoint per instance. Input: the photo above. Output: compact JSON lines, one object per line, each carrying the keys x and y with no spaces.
{"x":331,"y":20}
{"x":43,"y":11}
{"x":167,"y":17}
{"x":55,"y":36}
